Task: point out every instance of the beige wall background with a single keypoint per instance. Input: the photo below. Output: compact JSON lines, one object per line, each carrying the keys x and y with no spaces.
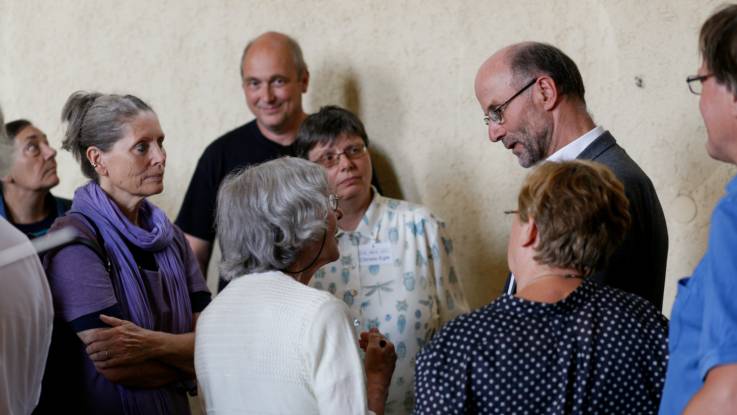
{"x":407,"y":69}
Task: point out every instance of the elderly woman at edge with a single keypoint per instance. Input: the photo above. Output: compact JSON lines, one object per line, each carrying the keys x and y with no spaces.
{"x":270,"y":343}
{"x":26,"y":313}
{"x":562,"y":344}
{"x":26,"y":200}
{"x":396,"y":270}
{"x":133,"y":307}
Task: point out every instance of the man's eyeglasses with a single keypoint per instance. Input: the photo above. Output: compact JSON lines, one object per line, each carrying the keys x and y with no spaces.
{"x":695,"y":83}
{"x":496,"y":115}
{"x":333,"y":200}
{"x":352,"y":152}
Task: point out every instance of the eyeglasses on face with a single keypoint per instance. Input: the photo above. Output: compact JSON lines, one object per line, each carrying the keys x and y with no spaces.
{"x":695,"y":83}
{"x":333,"y":200}
{"x":352,"y":152}
{"x":496,"y":115}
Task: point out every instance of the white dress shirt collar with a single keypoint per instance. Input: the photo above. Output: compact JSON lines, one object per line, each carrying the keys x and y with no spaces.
{"x":571,"y":150}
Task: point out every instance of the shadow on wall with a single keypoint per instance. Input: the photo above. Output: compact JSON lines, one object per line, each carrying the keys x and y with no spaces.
{"x":338,"y":85}
{"x":701,"y":182}
{"x":334,"y":82}
{"x":385,"y":173}
{"x":478,"y":205}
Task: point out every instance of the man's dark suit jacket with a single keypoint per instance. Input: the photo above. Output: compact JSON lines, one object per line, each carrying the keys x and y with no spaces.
{"x":638,"y":266}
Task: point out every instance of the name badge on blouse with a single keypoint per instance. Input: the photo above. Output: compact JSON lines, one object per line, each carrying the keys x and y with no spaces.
{"x":375,"y":254}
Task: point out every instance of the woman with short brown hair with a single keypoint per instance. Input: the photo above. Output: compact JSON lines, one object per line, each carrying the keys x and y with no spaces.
{"x":562,"y":343}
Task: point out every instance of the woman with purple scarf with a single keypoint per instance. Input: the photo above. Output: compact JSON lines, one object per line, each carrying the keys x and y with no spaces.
{"x":126,"y":313}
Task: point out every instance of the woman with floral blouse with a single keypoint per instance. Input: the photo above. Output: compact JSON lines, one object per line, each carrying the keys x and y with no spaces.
{"x":395,"y":270}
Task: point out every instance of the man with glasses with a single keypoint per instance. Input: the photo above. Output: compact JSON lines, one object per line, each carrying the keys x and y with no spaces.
{"x":532,"y":96}
{"x":395,"y":270}
{"x":702,"y":370}
{"x":274,"y":76}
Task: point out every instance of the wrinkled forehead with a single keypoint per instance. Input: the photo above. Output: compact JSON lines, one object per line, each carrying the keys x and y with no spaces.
{"x":144,"y":124}
{"x":494,"y":78}
{"x":29,"y":133}
{"x":267,"y":60}
{"x":494,"y":83}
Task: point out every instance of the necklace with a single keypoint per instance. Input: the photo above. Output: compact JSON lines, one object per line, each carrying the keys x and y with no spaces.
{"x":548,"y":293}
{"x":322,"y":245}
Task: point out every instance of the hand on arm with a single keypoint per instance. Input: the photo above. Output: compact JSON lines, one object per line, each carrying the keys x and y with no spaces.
{"x":126,"y":344}
{"x":719,"y":393}
{"x":138,"y":373}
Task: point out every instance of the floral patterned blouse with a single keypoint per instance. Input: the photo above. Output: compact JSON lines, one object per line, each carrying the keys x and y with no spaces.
{"x":396,"y":273}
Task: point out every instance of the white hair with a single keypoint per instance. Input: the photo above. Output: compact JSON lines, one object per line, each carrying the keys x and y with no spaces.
{"x":268,"y":213}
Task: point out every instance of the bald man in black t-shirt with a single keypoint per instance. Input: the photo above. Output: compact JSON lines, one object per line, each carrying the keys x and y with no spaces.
{"x":274,"y":77}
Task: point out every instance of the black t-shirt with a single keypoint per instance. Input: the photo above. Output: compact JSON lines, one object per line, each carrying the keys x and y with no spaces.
{"x":240,"y":148}
{"x":57,"y":206}
{"x":36,"y":229}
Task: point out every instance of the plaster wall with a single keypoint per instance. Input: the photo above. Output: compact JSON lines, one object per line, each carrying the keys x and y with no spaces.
{"x":407,"y":69}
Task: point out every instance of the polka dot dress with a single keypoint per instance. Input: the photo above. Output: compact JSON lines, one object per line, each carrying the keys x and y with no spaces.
{"x":599,"y":351}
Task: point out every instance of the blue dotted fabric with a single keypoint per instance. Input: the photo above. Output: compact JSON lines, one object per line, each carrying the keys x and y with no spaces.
{"x":598,"y":351}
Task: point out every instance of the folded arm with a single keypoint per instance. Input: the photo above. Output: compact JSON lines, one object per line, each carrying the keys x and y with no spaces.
{"x":126,"y":352}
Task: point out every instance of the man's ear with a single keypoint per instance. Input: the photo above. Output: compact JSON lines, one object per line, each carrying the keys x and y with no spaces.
{"x":305,"y":80}
{"x":548,"y":92}
{"x":529,"y":233}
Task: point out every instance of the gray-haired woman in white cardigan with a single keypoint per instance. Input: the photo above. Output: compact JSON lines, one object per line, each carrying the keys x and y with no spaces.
{"x":269,"y":343}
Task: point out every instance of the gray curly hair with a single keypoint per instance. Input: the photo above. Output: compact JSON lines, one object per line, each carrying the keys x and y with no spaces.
{"x":268,"y":213}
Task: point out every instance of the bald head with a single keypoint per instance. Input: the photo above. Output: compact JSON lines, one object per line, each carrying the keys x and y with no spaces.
{"x":531,"y":59}
{"x":274,"y":78}
{"x":524,"y":90}
{"x":493,"y":76}
{"x":276,"y":41}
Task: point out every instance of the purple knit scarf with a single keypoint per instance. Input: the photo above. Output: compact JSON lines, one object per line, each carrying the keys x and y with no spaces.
{"x":156,"y":235}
